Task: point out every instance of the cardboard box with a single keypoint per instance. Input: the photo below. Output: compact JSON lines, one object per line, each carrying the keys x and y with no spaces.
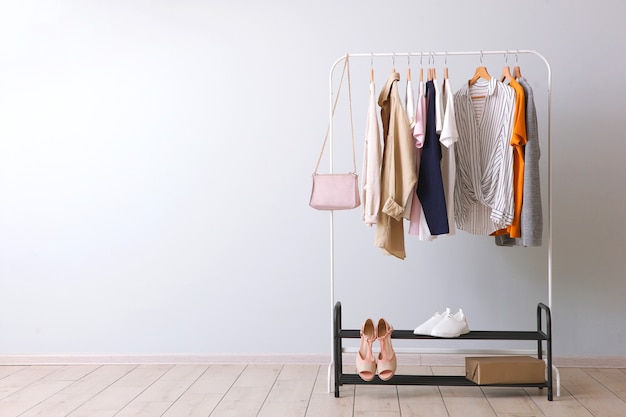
{"x":505,"y":370}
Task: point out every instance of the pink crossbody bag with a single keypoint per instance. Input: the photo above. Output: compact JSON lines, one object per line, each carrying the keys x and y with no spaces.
{"x":336,"y":191}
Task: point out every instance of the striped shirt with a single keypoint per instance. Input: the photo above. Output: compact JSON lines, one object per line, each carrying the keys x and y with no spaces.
{"x":483,"y":194}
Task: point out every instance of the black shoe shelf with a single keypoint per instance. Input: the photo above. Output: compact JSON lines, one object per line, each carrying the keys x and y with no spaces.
{"x":539,"y":335}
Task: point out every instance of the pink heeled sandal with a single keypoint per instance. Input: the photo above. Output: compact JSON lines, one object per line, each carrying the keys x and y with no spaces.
{"x":365,"y":361}
{"x":387,"y":361}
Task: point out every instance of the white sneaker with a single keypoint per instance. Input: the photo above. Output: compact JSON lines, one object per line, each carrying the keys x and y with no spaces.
{"x":427,"y":327}
{"x":452,"y":325}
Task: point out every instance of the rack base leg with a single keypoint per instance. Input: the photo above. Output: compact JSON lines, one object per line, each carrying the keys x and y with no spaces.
{"x":558,"y":380}
{"x":329,"y":377}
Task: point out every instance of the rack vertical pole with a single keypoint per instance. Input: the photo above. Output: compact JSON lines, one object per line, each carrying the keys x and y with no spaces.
{"x":332,"y":223}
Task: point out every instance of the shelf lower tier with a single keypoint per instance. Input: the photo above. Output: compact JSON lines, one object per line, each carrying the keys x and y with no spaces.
{"x":441,"y":380}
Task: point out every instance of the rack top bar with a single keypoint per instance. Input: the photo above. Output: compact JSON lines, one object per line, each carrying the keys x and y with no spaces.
{"x":446,"y":53}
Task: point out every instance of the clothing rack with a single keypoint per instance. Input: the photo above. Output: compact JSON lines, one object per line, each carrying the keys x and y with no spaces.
{"x":432,"y":55}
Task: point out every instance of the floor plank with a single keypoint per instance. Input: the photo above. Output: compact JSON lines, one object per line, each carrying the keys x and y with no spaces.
{"x":511,"y":401}
{"x":291,"y":392}
{"x":161,"y":395}
{"x":582,"y":386}
{"x":116,"y":396}
{"x":87,"y":383}
{"x":564,"y":406}
{"x":21,"y":379}
{"x":206,"y":392}
{"x":33,"y":394}
{"x":376,"y":399}
{"x":612,"y":379}
{"x":248,"y":393}
{"x":324,"y":404}
{"x":9,"y":370}
{"x":421,"y":401}
{"x":468,"y":406}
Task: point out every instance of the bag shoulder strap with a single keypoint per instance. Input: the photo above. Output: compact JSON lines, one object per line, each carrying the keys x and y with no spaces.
{"x":346,"y":69}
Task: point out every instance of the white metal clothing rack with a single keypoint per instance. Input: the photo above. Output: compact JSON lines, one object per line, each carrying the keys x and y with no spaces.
{"x":429,"y":54}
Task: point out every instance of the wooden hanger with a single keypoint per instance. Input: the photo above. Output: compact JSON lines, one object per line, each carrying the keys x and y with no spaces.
{"x":432,"y":74}
{"x":421,"y":74}
{"x":431,"y":69}
{"x":481,"y":72}
{"x":506,"y":73}
{"x":516,"y":71}
{"x":371,"y":75}
{"x":445,"y":75}
{"x":408,"y":68}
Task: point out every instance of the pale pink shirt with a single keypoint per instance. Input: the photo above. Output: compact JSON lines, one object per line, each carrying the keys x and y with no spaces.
{"x":371,"y":163}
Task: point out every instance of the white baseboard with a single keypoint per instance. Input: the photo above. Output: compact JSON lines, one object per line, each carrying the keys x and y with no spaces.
{"x":404,"y":358}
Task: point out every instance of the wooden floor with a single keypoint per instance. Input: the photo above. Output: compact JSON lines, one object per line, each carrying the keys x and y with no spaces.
{"x":285,"y":391}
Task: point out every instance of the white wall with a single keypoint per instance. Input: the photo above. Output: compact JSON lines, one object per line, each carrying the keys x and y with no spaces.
{"x":155,"y":161}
